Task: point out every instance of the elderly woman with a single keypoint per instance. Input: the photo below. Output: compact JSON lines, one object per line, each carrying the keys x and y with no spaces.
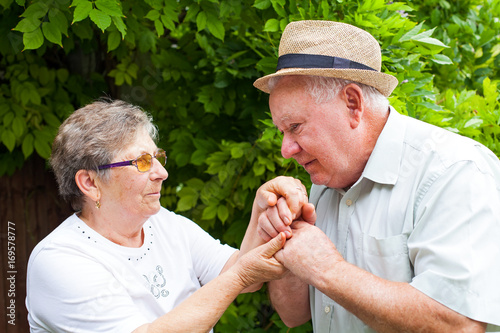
{"x":122,"y":263}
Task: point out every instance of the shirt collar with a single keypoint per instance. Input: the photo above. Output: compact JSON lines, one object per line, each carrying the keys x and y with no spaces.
{"x":384,"y":162}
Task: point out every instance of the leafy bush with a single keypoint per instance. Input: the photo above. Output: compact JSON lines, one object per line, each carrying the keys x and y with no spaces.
{"x":191,"y":63}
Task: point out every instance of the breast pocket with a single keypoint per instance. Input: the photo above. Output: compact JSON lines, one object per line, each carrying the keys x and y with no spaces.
{"x":387,"y":257}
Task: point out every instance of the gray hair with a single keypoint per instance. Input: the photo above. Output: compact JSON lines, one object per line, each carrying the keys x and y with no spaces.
{"x":323,"y":89}
{"x":91,"y":136}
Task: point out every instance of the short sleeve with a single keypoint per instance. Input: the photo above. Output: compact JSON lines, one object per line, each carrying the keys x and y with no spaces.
{"x":455,"y":244}
{"x":208,"y":254}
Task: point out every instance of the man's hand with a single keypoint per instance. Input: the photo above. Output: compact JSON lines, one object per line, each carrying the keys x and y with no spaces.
{"x":308,"y":252}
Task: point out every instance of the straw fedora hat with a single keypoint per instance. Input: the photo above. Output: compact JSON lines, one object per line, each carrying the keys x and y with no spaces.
{"x":331,"y":49}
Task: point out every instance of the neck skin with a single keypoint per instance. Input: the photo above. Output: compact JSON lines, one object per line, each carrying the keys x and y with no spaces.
{"x":374,"y":124}
{"x":118,"y":230}
{"x":366,"y":125}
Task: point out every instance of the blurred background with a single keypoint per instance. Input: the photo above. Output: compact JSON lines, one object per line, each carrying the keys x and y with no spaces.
{"x":191,"y":64}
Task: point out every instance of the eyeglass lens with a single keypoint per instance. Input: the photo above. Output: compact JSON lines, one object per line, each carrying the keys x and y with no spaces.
{"x":144,"y":162}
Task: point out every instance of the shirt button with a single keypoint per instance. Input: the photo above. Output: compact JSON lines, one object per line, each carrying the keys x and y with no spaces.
{"x":348,"y":202}
{"x":327,"y":309}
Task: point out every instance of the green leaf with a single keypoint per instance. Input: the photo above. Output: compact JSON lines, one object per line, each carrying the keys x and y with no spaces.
{"x":412,"y":33}
{"x":209,"y":212}
{"x":58,"y":18}
{"x":33,"y":40}
{"x":272,"y":25}
{"x":114,"y":39}
{"x":201,"y":21}
{"x":9,"y":139}
{"x":8,"y":119}
{"x":237,"y":152}
{"x":222,"y":213}
{"x":278,"y":8}
{"x":62,"y":74}
{"x":216,"y":27}
{"x":51,"y":119}
{"x":119,"y":78}
{"x":431,"y":41}
{"x":262,"y":4}
{"x":102,"y":20}
{"x":27,"y":24}
{"x":82,"y":11}
{"x":109,"y":7}
{"x":160,"y":30}
{"x":188,"y":199}
{"x":194,"y":8}
{"x":259,"y":169}
{"x":167,"y":22}
{"x":118,"y":22}
{"x":474,"y":123}
{"x":76,"y":3}
{"x":27,"y":146}
{"x":441,"y":59}
{"x":52,"y":33}
{"x":42,"y":148}
{"x":18,"y":125}
{"x":36,"y":10}
{"x":153,"y":15}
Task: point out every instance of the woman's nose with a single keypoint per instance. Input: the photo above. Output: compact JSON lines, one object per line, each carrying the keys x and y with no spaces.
{"x":158,"y":170}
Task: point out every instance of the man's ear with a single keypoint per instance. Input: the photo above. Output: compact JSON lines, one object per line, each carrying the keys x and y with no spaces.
{"x":88,"y":183}
{"x":353,"y":97}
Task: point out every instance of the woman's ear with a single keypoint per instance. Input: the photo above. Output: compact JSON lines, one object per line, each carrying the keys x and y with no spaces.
{"x":88,"y":183}
{"x":353,"y":97}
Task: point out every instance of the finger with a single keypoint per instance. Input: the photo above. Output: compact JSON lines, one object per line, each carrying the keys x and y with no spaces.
{"x":309,"y":213}
{"x":264,"y":235}
{"x":265,"y":228}
{"x":274,"y":245}
{"x":296,"y":198}
{"x":280,"y":257}
{"x":266,"y":198}
{"x":270,"y":224}
{"x":276,"y":222}
{"x":284,"y":211}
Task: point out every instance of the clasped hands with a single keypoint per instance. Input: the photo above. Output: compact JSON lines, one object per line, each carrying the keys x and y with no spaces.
{"x":283,"y":207}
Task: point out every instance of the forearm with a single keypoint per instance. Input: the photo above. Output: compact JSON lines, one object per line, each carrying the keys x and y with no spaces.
{"x":201,"y":311}
{"x":388,"y":306}
{"x":290,"y":298}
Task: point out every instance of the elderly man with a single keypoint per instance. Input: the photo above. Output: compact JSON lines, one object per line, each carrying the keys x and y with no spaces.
{"x":407,"y":235}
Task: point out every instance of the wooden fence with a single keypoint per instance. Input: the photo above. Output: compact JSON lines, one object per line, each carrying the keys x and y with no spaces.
{"x":30,"y":208}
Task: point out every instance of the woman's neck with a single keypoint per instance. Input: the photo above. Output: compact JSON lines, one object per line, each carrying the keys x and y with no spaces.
{"x":118,"y":230}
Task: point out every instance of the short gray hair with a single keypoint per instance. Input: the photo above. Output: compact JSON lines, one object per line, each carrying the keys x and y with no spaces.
{"x":91,"y":136}
{"x":323,"y":89}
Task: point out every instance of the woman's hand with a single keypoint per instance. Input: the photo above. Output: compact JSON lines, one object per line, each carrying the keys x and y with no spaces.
{"x":259,"y":265}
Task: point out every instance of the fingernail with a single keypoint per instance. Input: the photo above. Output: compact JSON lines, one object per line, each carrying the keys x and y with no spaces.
{"x":288,"y":234}
{"x":287,"y":220}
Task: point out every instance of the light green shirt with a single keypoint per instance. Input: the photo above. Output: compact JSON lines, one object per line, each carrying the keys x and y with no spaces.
{"x":426,"y":211}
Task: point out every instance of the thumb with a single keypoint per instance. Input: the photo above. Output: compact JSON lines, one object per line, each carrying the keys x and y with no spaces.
{"x":274,"y":245}
{"x":266,"y":199}
{"x":309,"y":213}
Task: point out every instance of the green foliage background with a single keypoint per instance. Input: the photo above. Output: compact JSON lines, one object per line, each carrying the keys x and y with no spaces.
{"x":191,"y":64}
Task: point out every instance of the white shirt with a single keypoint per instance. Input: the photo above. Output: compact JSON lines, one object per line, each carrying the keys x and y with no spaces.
{"x":79,"y":281}
{"x":426,"y":211}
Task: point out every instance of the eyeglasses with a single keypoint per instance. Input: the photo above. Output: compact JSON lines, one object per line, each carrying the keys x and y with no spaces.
{"x":143,"y":163}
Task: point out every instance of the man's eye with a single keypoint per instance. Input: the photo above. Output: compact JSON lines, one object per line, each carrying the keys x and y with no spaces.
{"x":293,"y":127}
